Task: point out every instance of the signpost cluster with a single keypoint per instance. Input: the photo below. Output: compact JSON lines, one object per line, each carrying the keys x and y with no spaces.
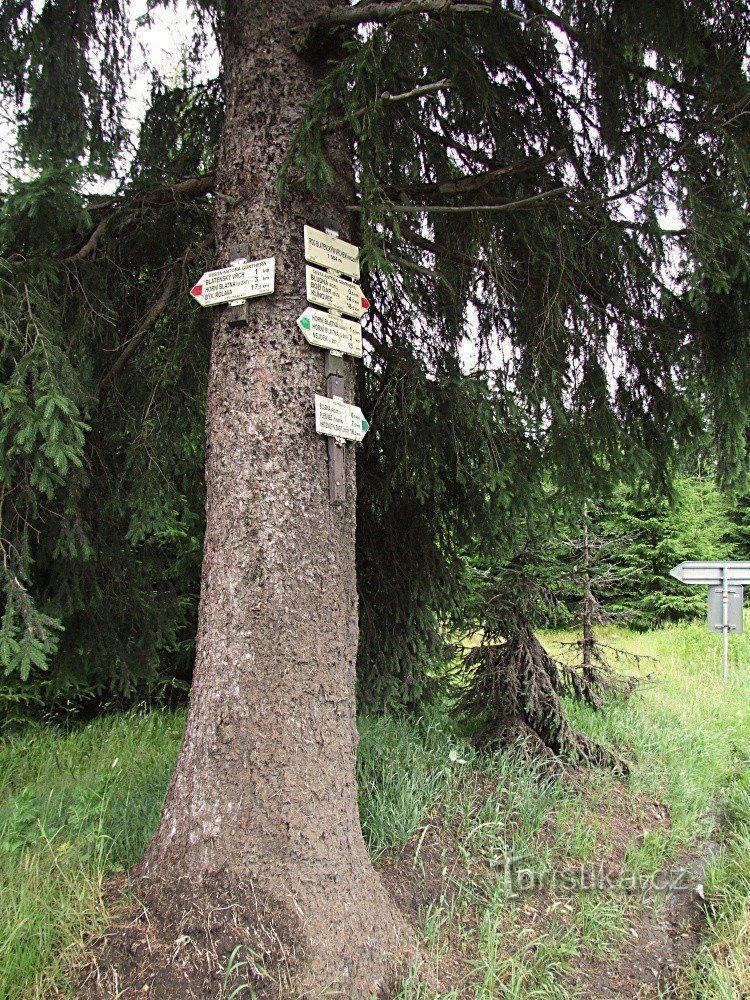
{"x":331,"y":275}
{"x":332,"y":322}
{"x":725,"y":596}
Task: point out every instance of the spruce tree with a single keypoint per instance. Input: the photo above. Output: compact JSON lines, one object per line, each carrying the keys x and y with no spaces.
{"x":510,"y":687}
{"x":588,"y":567}
{"x":507,"y":168}
{"x":659,"y":530}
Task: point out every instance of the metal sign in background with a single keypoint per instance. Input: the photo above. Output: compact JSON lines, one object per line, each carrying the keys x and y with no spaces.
{"x":735,"y":593}
{"x":712,"y":573}
{"x":724,"y":581}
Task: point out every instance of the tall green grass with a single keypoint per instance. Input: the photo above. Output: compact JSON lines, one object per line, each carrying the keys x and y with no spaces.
{"x":77,"y":805}
{"x":404,"y":767}
{"x":721,"y":968}
{"x":686,"y":730}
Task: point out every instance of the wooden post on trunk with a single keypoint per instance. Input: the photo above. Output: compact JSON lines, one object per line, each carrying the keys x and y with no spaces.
{"x":335,"y":375}
{"x":237,"y":311}
{"x":335,"y":372}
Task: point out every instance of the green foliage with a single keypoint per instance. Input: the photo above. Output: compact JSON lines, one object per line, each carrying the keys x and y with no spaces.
{"x":75,"y":806}
{"x":62,"y":61}
{"x":28,"y":638}
{"x":404,"y":767}
{"x":514,"y":171}
{"x":434,"y":478}
{"x":659,"y":532}
{"x":562,"y":281}
{"x":721,"y":968}
{"x":101,"y":479}
{"x":66,"y":67}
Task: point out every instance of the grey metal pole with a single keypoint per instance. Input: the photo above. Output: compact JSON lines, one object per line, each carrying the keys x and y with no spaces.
{"x":725,"y":621}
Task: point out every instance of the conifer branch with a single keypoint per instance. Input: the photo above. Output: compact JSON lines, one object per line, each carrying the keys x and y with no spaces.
{"x":368,"y":13}
{"x":187,"y":189}
{"x":146,"y":324}
{"x":475,"y":181}
{"x":444,"y":139}
{"x":638,"y":70}
{"x":91,"y":243}
{"x":554,"y":18}
{"x":364,"y":13}
{"x":427,"y":272}
{"x":505,"y":206}
{"x":440,"y":250}
{"x":386,"y":98}
{"x":494,"y":271}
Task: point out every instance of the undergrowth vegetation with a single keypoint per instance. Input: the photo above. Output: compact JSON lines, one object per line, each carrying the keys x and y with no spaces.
{"x":79,"y":804}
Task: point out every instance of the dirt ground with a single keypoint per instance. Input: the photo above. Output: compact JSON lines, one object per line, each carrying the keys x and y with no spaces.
{"x":162,"y":961}
{"x":215,"y":946}
{"x":431,"y":870}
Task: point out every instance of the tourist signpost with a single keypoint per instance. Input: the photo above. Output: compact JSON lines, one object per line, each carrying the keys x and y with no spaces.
{"x":335,"y":418}
{"x":724,"y":580}
{"x":331,"y":271}
{"x":326,"y":250}
{"x":245,"y":280}
{"x":334,"y":333}
{"x":332,"y":292}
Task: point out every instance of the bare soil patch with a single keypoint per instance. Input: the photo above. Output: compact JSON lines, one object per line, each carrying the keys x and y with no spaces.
{"x":177,"y":939}
{"x":659,"y":945}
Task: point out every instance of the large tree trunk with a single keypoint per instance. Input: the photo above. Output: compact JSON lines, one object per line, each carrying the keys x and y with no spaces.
{"x":263,"y":802}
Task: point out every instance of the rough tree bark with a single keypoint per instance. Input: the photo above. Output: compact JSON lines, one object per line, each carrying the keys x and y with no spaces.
{"x":263,"y":801}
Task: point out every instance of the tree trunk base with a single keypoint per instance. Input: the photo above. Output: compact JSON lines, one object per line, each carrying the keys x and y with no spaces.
{"x":180,"y":940}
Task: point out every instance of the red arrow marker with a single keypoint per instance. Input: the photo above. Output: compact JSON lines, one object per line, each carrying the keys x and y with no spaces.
{"x":365,"y":303}
{"x":198,"y":290}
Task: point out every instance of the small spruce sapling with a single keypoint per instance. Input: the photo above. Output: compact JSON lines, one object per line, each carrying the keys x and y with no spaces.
{"x":511,"y":687}
{"x":592,"y":677}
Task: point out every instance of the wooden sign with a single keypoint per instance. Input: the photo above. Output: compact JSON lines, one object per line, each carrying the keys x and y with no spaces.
{"x":247,"y":280}
{"x":324,"y":289}
{"x":329,"y":251}
{"x":335,"y":418}
{"x":334,"y":333}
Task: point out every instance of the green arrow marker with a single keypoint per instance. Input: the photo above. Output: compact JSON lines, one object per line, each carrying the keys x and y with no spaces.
{"x":365,"y":425}
{"x":332,"y":333}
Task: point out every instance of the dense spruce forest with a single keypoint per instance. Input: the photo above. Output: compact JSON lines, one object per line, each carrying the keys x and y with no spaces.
{"x":613,"y":388}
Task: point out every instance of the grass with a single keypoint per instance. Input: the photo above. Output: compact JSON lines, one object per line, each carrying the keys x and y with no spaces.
{"x":721,"y":968}
{"x":77,"y":805}
{"x":690,"y":731}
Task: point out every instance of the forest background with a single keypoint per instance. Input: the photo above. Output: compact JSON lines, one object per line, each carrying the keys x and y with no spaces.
{"x":104,"y":361}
